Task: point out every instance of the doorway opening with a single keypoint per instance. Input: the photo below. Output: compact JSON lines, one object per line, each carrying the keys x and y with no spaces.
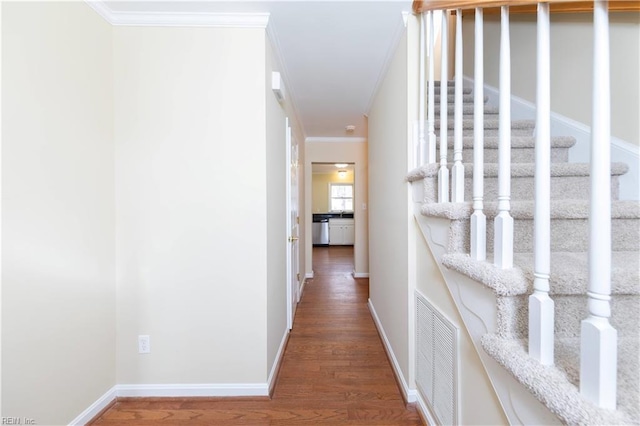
{"x":333,"y":208}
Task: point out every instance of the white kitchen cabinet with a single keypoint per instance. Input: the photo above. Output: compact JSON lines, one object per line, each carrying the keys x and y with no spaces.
{"x":341,"y":232}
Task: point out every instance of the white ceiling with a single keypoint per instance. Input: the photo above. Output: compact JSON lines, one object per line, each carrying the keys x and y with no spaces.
{"x":333,"y":52}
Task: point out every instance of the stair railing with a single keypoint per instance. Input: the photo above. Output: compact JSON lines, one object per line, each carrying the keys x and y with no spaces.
{"x":457,"y":171}
{"x":598,"y":338}
{"x":431,"y":156}
{"x":541,"y":306}
{"x":478,"y":242}
{"x":443,"y":172}
{"x":421,"y":153}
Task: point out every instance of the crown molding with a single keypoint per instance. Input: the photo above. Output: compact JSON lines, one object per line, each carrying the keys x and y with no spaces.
{"x":315,"y":139}
{"x":401,"y":27}
{"x":272,"y":35}
{"x":179,"y":19}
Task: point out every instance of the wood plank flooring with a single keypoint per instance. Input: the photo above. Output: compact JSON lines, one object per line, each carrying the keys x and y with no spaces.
{"x":334,"y":370}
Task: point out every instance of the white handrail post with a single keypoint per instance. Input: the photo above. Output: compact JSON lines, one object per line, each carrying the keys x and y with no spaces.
{"x":503,"y":223}
{"x":443,"y":172}
{"x":478,"y":219}
{"x":421,"y":154}
{"x":598,"y":347}
{"x":457,"y":171}
{"x":541,"y":306}
{"x":431,"y":152}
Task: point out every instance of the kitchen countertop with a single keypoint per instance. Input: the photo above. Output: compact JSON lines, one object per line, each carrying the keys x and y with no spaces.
{"x":317,"y":217}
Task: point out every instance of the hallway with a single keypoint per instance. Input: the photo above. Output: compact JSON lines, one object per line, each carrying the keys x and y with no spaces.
{"x":334,"y":370}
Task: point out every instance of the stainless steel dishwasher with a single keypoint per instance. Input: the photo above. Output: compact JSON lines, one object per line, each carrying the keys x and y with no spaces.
{"x":320,"y":232}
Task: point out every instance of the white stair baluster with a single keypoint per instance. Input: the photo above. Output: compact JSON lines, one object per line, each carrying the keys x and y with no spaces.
{"x":431,"y":151}
{"x":503,"y":223}
{"x":457,"y":171}
{"x":598,"y":349}
{"x":443,"y":172}
{"x":478,"y":219}
{"x":421,"y":154}
{"x":541,"y":306}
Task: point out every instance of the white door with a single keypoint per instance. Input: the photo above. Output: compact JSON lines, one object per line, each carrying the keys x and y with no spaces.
{"x":293,"y":259}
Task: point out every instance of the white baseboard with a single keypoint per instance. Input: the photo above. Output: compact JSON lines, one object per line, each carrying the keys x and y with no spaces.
{"x":621,"y":151}
{"x":194,"y":389}
{"x":410,"y":395}
{"x":174,"y":390}
{"x":360,"y":274}
{"x":309,"y":275}
{"x":302,"y":284}
{"x":101,"y":403}
{"x":425,"y":410}
{"x":276,"y":361}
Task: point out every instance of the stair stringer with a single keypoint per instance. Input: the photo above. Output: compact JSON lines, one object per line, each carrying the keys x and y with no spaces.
{"x":477,"y":306}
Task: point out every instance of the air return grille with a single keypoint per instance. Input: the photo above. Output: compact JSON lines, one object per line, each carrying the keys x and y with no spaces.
{"x":437,"y":361}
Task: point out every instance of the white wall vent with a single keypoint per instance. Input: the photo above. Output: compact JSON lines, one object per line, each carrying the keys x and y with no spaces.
{"x":437,"y":361}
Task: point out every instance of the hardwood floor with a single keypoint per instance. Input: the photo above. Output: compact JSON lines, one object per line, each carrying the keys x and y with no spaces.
{"x":334,"y":370}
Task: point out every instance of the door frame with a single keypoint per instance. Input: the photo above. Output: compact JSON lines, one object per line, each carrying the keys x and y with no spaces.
{"x":292,"y":224}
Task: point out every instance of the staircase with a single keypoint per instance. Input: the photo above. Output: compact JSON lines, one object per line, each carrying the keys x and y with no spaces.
{"x":494,"y":301}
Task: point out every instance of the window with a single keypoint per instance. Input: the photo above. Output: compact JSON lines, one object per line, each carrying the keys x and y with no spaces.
{"x":341,"y":197}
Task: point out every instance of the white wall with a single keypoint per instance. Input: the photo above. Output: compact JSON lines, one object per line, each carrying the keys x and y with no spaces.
{"x":191,"y":200}
{"x":479,"y":404}
{"x":277,"y":231}
{"x":58,"y":218}
{"x":571,"y":65}
{"x":330,"y":151}
{"x":389,"y":215}
{"x":277,"y":244}
{"x":400,"y":258}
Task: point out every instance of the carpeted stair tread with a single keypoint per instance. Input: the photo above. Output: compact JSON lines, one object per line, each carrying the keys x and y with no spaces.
{"x":451,"y":211}
{"x":451,"y":89}
{"x":492,"y":142}
{"x":557,"y":169}
{"x":489,"y":123}
{"x":517,"y":170}
{"x":567,"y":360}
{"x":560,"y":209}
{"x":504,"y":282}
{"x":553,"y":385}
{"x":569,"y":273}
{"x":468,"y":109}
{"x":466,"y":98}
{"x":419,"y":173}
{"x":567,"y":209}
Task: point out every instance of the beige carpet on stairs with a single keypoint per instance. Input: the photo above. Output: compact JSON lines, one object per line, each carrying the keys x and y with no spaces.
{"x":555,"y":386}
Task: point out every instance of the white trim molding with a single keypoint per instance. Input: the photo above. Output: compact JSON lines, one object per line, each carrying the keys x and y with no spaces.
{"x":276,"y":362}
{"x":94,"y":409}
{"x":272,"y":35}
{"x":308,"y":276}
{"x":360,"y":274}
{"x":424,"y":409}
{"x":179,"y":390}
{"x":621,"y":151}
{"x":410,"y":395}
{"x":393,"y":47}
{"x":302,"y":284}
{"x":179,"y":19}
{"x":193,"y":390}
